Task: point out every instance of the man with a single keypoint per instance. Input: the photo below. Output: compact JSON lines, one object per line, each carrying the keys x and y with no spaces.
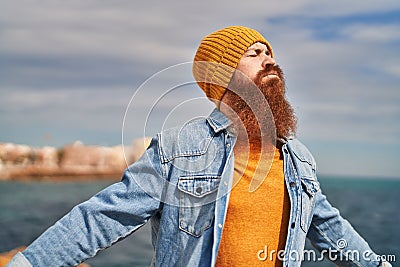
{"x":233,"y":189}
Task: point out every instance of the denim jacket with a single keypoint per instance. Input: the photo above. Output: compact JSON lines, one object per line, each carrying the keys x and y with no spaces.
{"x":181,"y":185}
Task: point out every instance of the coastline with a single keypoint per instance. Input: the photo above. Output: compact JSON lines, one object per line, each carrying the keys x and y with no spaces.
{"x":75,"y":161}
{"x":40,"y":173}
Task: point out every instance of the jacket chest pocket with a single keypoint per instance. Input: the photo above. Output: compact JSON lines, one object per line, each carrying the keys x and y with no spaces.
{"x":197,"y":203}
{"x":309,"y":188}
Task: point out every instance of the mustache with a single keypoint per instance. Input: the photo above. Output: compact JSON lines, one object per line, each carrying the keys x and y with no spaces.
{"x":270,"y":69}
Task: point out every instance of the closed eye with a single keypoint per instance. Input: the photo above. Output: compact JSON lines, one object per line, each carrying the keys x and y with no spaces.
{"x":257,"y":52}
{"x":254,"y":53}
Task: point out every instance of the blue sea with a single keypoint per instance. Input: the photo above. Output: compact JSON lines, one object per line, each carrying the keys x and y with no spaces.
{"x":28,"y":208}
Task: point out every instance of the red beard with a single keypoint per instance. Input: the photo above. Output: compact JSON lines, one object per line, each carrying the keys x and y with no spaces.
{"x":274,"y":92}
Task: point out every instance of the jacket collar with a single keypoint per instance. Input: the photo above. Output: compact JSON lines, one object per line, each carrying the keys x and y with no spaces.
{"x":218,"y":121}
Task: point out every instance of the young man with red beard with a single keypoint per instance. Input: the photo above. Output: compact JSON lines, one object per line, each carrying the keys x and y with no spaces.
{"x":233,"y":189}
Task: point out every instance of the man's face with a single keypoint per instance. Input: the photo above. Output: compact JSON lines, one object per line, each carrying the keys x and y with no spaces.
{"x":257,"y":67}
{"x":257,"y":58}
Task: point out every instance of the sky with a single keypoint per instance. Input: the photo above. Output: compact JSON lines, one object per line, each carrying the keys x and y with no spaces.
{"x":107,"y":72}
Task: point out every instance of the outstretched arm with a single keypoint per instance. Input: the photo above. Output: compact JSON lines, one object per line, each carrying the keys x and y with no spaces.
{"x":106,"y":218}
{"x":336,"y":238}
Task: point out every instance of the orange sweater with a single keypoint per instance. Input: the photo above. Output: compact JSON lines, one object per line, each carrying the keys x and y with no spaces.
{"x":255,"y":219}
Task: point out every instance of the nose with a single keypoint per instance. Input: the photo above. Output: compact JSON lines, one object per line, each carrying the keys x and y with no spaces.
{"x":268,"y":61}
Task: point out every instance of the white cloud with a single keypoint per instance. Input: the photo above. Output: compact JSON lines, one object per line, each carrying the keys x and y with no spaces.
{"x":373,"y":33}
{"x":347,"y":8}
{"x":78,"y":59}
{"x":144,"y":31}
{"x":393,"y":69}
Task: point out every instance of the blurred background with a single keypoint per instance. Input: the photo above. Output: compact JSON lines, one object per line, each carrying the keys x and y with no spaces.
{"x":80,"y":70}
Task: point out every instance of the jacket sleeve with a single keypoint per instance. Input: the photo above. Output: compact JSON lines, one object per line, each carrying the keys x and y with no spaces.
{"x":337,"y":240}
{"x":104,"y":219}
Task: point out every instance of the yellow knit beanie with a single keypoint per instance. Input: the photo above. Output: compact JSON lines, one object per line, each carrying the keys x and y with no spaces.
{"x":218,"y":55}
